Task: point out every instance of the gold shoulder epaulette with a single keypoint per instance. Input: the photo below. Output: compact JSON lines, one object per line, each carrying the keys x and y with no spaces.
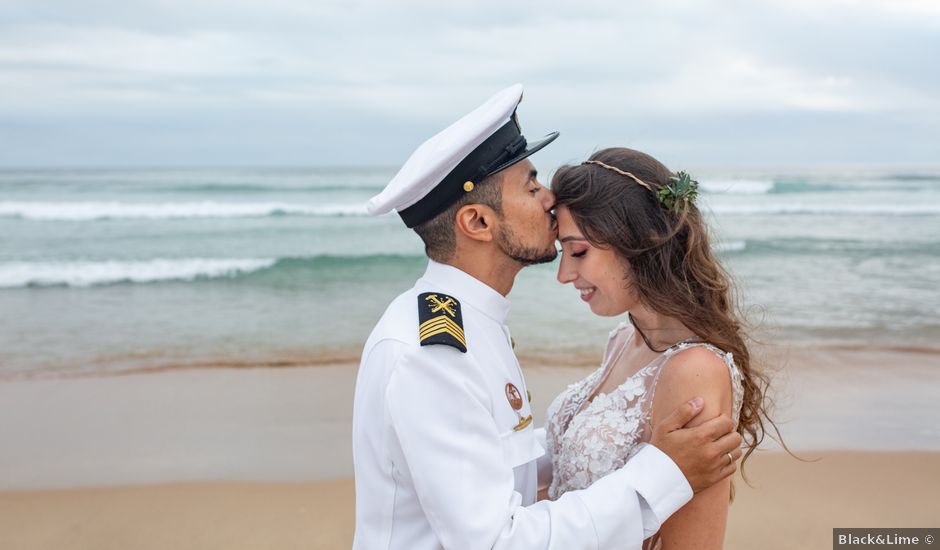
{"x":439,"y":321}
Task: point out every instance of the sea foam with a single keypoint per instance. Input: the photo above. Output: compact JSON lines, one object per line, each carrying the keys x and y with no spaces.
{"x":90,"y":273}
{"x":736,"y":187}
{"x":797,"y":208}
{"x":730,"y":246}
{"x":100,"y":210}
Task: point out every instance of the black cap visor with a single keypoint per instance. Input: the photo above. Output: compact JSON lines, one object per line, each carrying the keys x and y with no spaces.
{"x":529,"y":150}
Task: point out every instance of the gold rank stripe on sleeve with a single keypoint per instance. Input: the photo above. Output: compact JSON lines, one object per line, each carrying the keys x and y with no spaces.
{"x":440,"y":325}
{"x":440,"y":321}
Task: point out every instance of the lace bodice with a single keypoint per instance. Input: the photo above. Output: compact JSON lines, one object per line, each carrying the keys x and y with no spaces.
{"x":588,"y":440}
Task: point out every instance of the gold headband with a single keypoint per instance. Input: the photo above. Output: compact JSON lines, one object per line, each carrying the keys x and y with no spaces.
{"x":621,"y":172}
{"x":678,"y":194}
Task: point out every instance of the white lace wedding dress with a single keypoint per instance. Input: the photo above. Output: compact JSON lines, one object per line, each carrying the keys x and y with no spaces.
{"x":590,"y":439}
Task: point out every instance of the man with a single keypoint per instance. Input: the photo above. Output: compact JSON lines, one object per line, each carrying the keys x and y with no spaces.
{"x":444,"y":448}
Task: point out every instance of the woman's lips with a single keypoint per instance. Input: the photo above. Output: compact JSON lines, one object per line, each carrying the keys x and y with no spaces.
{"x":587,"y":293}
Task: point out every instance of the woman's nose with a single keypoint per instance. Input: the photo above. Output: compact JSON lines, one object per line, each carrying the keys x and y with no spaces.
{"x":565,"y":273}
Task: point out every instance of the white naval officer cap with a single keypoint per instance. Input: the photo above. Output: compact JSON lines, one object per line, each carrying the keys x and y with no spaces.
{"x":452,"y":162}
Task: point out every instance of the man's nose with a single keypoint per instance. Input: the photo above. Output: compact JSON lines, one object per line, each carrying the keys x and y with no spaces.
{"x":548,"y":199}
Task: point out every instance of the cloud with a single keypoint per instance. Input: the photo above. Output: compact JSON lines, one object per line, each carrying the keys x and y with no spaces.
{"x":325,"y":78}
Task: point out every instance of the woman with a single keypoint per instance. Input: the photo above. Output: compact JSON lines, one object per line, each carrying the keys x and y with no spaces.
{"x":634,"y":243}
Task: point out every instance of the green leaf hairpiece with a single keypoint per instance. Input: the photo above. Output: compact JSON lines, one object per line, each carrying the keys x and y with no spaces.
{"x":680,"y":189}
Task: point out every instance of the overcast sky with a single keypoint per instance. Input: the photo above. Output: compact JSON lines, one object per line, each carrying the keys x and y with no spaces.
{"x":314,"y":82}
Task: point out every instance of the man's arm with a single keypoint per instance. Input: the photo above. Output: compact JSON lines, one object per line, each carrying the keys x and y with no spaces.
{"x":438,"y":406}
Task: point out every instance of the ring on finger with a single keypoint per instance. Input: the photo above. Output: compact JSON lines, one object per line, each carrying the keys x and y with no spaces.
{"x":730,"y":459}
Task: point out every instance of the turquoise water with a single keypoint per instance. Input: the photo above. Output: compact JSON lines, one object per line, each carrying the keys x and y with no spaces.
{"x":125,"y":269}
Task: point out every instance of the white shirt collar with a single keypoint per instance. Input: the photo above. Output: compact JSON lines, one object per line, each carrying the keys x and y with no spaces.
{"x":468,"y":290}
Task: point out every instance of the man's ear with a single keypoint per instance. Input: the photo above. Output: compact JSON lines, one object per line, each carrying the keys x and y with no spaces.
{"x":476,"y":222}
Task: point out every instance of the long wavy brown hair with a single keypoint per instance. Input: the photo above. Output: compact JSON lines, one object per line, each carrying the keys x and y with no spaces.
{"x":673,"y":269}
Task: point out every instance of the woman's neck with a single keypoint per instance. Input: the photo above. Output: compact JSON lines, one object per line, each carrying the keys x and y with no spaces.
{"x":660,"y":331}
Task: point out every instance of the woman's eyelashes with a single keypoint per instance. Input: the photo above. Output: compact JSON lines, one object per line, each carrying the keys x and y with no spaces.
{"x":577,"y":253}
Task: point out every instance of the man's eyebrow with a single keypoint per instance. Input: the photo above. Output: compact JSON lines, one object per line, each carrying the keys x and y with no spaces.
{"x":571,"y":238}
{"x":532,"y":174}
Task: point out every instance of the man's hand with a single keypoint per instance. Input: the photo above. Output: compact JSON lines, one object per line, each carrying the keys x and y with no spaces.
{"x":700,"y":452}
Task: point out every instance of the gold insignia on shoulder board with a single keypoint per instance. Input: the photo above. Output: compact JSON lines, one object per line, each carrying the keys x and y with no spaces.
{"x":446,"y":305}
{"x":440,"y":321}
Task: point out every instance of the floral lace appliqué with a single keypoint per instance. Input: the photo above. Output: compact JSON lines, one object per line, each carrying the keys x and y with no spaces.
{"x":588,"y":440}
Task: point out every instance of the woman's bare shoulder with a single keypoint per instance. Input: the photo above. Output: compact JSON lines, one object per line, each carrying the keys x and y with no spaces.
{"x":697,"y":362}
{"x":694,"y":372}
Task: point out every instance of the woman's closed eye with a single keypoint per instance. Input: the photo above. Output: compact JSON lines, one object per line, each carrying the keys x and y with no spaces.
{"x":577,"y":253}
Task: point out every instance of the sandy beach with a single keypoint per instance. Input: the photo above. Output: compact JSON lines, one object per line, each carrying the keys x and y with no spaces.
{"x":791,"y":505}
{"x":260,"y":457}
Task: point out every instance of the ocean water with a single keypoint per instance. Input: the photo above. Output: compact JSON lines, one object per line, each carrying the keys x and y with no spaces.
{"x":119,"y":270}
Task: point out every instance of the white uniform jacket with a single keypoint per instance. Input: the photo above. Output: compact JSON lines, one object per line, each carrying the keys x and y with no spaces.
{"x":445,"y":459}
